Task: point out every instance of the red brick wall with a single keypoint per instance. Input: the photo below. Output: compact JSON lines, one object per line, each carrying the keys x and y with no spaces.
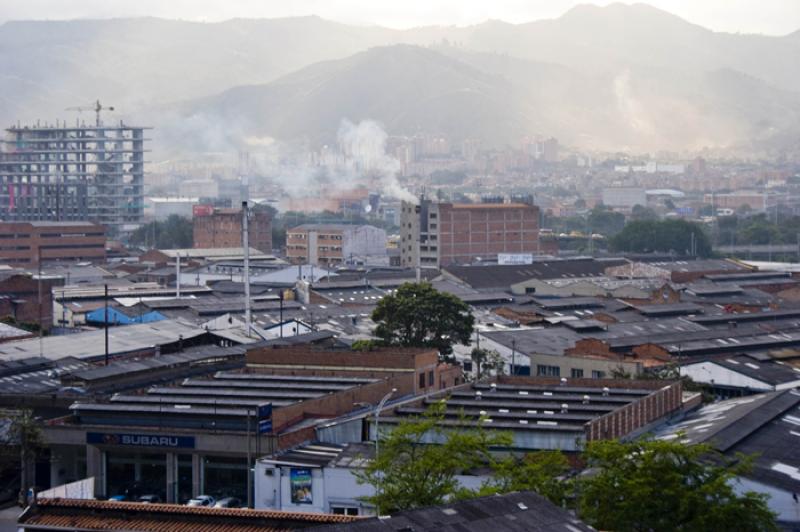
{"x":21,"y":243}
{"x":223,"y":229}
{"x":485,"y":231}
{"x":25,"y":291}
{"x":339,"y":403}
{"x":384,"y":358}
{"x":636,"y":415}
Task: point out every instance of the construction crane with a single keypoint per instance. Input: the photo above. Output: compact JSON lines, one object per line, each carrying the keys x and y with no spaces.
{"x":96,"y":108}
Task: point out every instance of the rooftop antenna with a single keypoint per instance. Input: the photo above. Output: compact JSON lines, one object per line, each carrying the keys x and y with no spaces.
{"x":96,"y":107}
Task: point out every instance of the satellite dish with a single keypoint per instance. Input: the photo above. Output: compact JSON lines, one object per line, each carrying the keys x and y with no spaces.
{"x":368,"y":208}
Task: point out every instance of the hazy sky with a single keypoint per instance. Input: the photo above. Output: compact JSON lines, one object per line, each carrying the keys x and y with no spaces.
{"x":775,"y":17}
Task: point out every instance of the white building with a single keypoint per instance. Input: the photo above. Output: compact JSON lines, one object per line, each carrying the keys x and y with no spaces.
{"x":314,"y":478}
{"x":742,"y":374}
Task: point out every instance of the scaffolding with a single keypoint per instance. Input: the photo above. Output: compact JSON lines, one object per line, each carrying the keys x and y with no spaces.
{"x":81,"y":173}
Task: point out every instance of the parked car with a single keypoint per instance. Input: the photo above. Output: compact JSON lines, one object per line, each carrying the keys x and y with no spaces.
{"x":118,"y":498}
{"x":202,"y":500}
{"x":228,"y":502}
{"x":152,"y":499}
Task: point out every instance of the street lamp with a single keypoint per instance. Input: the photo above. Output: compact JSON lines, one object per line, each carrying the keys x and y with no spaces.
{"x":377,"y":419}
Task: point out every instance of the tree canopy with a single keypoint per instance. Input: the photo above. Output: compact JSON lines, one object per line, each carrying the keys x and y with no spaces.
{"x":667,"y":485}
{"x":418,"y":315}
{"x":408,"y":473}
{"x":647,"y":236}
{"x":174,"y":232}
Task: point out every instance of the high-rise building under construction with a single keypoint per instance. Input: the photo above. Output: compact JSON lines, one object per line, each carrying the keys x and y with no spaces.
{"x":82,"y":173}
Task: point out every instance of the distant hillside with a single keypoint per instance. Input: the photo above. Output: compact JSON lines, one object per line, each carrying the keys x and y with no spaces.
{"x":134,"y":63}
{"x":498,"y":99}
{"x":611,"y":77}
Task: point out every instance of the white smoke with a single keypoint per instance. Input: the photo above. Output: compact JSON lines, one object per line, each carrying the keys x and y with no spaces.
{"x":630,"y":107}
{"x":366,"y":161}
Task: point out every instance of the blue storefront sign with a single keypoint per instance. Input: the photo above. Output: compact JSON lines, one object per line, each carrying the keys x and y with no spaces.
{"x":140,"y":440}
{"x":265,"y":418}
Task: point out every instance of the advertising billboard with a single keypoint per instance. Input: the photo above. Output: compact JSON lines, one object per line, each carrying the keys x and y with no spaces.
{"x":300,"y":484}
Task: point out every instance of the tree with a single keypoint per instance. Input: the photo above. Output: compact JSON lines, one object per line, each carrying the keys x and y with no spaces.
{"x":487,"y":360}
{"x":666,"y":485}
{"x":410,"y":473}
{"x":418,"y":315}
{"x":26,"y":433}
{"x":665,"y":236}
{"x":640,"y":212}
{"x":604,"y":221}
{"x":174,"y":232}
{"x":542,"y":471}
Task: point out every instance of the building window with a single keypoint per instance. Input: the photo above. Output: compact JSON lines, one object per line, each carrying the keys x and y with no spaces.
{"x":576,"y":373}
{"x":342,"y":510}
{"x":548,"y":371}
{"x":421,"y":380}
{"x":430,"y":378}
{"x":596,"y":374}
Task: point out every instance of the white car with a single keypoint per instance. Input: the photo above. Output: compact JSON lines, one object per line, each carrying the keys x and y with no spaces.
{"x":202,"y":500}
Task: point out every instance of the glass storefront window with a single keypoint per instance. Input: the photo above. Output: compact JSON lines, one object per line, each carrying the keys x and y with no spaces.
{"x":225,"y":477}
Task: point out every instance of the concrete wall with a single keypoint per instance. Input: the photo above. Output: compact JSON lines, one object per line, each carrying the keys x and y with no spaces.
{"x":363,"y":240}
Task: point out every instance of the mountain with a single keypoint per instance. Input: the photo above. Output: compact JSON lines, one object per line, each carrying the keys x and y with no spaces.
{"x":594,"y":76}
{"x":46,"y":66}
{"x":407,"y":88}
{"x":496,"y":98}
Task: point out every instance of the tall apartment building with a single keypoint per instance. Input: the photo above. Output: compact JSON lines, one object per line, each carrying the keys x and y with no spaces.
{"x":222,"y":228}
{"x":81,"y":173}
{"x":334,"y":244}
{"x":23,"y":243}
{"x":453,"y":233}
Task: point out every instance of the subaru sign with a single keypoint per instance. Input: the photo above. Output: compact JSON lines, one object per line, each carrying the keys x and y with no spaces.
{"x":141,"y":440}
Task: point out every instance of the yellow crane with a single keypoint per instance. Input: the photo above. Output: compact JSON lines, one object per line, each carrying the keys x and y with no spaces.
{"x":96,"y":107}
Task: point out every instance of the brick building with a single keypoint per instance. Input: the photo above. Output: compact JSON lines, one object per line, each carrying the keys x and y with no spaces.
{"x":334,"y":244}
{"x":22,"y":243}
{"x":453,"y":233}
{"x":19,"y":299}
{"x":222,"y":228}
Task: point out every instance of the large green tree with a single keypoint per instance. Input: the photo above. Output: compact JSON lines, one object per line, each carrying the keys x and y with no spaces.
{"x":418,"y":315}
{"x":174,"y":232}
{"x":676,"y":236}
{"x":409,"y":472}
{"x":657,"y":485}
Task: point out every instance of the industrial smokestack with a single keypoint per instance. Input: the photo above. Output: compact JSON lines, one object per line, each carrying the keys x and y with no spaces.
{"x":246,"y":246}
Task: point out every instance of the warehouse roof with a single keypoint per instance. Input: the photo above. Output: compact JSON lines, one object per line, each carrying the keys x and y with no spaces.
{"x":90,"y":344}
{"x":497,"y":276}
{"x":516,"y":511}
{"x":765,"y":424}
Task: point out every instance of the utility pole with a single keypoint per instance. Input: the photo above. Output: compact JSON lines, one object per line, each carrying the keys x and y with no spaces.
{"x":177,"y":275}
{"x":105,"y":320}
{"x":249,"y":460}
{"x":246,"y":246}
{"x":39,"y":290}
